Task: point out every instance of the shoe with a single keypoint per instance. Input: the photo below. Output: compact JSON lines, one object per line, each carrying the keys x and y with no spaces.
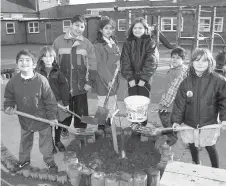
{"x":52,"y":166}
{"x":54,"y":149}
{"x":60,"y":146}
{"x":19,"y":166}
{"x":64,"y":134}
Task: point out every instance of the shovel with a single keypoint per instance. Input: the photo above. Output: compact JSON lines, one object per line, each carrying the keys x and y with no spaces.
{"x":84,"y":119}
{"x":102,"y":112}
{"x":77,"y":131}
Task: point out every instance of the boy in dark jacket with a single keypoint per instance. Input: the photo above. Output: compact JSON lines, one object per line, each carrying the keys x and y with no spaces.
{"x":76,"y":57}
{"x":48,"y":67}
{"x":30,"y":92}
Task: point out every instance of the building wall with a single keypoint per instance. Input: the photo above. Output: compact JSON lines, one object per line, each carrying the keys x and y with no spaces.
{"x":18,"y":38}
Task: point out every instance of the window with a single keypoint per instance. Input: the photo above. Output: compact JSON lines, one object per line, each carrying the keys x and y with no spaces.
{"x":10,"y":28}
{"x":121,"y":24}
{"x":66,"y":25}
{"x":169,"y":24}
{"x":33,"y":27}
{"x":205,"y":23}
{"x":218,"y":27}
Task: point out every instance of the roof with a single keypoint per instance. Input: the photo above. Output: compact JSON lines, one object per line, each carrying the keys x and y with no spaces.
{"x":11,"y":7}
{"x":203,"y":2}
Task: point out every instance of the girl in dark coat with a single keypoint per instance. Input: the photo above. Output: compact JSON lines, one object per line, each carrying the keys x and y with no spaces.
{"x":139,"y":59}
{"x":201,"y":97}
{"x":48,"y":67}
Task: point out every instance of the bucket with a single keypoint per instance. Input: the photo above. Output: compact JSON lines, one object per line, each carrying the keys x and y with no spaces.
{"x":137,"y":108}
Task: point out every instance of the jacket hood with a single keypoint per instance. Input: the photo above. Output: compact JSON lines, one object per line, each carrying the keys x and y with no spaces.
{"x":41,"y":66}
{"x":68,"y":36}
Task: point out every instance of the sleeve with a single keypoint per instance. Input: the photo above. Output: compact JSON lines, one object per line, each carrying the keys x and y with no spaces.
{"x":221,"y":100}
{"x":179,"y":106}
{"x":151,"y":61}
{"x":126,"y":68}
{"x":64,"y":89}
{"x":101,"y":66}
{"x":49,"y":100}
{"x":10,"y":100}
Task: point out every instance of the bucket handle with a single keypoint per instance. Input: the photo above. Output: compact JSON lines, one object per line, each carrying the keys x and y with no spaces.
{"x":132,"y":87}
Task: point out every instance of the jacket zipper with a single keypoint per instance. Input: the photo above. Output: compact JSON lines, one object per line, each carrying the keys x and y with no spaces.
{"x":198,"y":99}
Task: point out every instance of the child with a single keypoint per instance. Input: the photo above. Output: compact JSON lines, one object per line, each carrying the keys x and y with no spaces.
{"x":177,"y":69}
{"x":107,"y":55}
{"x":139,"y":59}
{"x":30,"y":92}
{"x":200,"y":98}
{"x":48,"y":67}
{"x":221,"y":62}
{"x":76,"y":56}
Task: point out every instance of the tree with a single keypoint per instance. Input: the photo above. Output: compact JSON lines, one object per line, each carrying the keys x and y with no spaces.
{"x":64,"y":2}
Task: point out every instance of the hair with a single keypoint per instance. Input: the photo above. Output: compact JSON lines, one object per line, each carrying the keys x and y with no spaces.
{"x":79,"y":18}
{"x":138,"y":20}
{"x":43,"y":53}
{"x":180,"y":52}
{"x":26,"y":52}
{"x":203,"y":52}
{"x":105,"y":20}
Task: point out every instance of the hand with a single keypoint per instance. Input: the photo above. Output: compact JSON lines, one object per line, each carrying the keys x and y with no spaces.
{"x":118,"y":64}
{"x":87,"y":87}
{"x":141,"y":83}
{"x":110,"y":85}
{"x":54,"y":123}
{"x":10,"y":110}
{"x":223,"y":125}
{"x":175,"y":126}
{"x":132,"y":83}
{"x":65,"y":108}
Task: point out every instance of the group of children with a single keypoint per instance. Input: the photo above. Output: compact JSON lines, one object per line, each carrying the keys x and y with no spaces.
{"x":65,"y":73}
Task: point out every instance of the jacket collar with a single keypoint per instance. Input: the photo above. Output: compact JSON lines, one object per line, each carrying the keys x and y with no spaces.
{"x":205,"y":73}
{"x":41,"y":66}
{"x":144,"y":36}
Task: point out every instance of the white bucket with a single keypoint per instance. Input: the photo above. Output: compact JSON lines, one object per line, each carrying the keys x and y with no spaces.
{"x":137,"y":108}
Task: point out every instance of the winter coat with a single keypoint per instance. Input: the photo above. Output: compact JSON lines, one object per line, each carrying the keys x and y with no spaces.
{"x":139,"y":58}
{"x":33,"y":96}
{"x":106,"y":58}
{"x":57,"y":82}
{"x":200,"y":99}
{"x":76,"y":57}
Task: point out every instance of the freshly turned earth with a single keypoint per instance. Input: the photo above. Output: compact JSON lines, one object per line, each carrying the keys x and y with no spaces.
{"x":102,"y":157}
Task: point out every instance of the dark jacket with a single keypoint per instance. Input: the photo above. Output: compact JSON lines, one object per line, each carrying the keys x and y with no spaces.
{"x":74,"y":64}
{"x":139,"y":58}
{"x":33,"y":96}
{"x":57,"y":82}
{"x":200,"y":99}
{"x":106,"y":58}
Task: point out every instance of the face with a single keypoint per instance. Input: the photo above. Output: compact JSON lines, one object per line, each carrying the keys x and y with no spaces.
{"x":107,"y":31}
{"x":200,"y":65}
{"x":78,"y":28}
{"x":48,"y":59}
{"x":25,"y":64}
{"x":138,"y":30}
{"x":176,"y":60}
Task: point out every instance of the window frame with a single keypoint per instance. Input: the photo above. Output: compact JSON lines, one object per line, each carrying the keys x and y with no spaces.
{"x":121,"y":30}
{"x":209,"y":26}
{"x":34,"y":32}
{"x":64,"y":27}
{"x":171,"y":24}
{"x":14,"y":30}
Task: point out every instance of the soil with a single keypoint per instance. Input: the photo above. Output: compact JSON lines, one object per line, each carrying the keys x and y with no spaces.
{"x":102,"y":157}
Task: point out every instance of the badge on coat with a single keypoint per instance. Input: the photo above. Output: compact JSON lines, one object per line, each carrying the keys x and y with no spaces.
{"x":189,"y":93}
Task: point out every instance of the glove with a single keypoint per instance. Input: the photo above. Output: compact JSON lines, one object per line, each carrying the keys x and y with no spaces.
{"x":87,"y":87}
{"x":132,"y":83}
{"x":10,"y":110}
{"x":141,"y":83}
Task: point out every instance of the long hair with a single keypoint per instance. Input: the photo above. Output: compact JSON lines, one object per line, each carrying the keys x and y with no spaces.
{"x":105,"y":20}
{"x":203,"y":52}
{"x":143,"y":22}
{"x":43,"y":52}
